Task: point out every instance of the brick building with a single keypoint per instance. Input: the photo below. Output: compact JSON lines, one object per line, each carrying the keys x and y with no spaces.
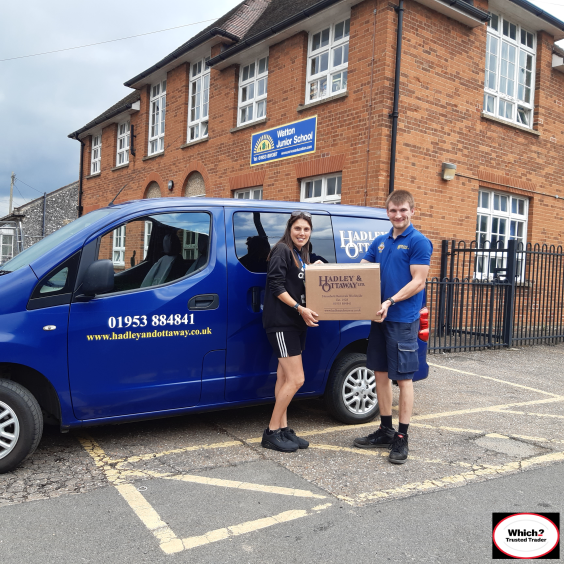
{"x":481,"y":87}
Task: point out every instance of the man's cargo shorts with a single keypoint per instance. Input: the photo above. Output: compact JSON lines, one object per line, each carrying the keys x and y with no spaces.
{"x":393,"y":348}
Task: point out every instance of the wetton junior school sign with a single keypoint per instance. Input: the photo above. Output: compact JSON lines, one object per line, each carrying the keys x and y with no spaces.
{"x":290,"y":140}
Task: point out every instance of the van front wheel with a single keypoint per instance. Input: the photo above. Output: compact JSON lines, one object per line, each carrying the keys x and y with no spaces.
{"x":21,"y":424}
{"x":350,"y":395}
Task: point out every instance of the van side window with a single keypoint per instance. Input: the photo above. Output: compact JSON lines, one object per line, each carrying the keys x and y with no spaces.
{"x":56,"y":287}
{"x":157,"y":249}
{"x":353,"y":235}
{"x":255,"y":233}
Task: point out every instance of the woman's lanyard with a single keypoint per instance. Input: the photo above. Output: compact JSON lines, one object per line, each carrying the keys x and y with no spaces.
{"x":302,"y":271}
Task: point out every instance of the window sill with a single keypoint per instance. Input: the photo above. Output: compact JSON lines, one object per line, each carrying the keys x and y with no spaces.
{"x":93,"y":175}
{"x":125,"y":165}
{"x":303,"y":107}
{"x":196,"y":142}
{"x":148,"y":157}
{"x":250,"y":124}
{"x":510,"y":124}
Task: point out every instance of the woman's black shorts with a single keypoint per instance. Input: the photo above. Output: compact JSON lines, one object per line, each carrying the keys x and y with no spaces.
{"x":287,"y":343}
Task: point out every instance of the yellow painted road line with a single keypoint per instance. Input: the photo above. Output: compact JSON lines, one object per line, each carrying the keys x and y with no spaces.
{"x":243,"y":486}
{"x":459,"y":478}
{"x":376,"y":424}
{"x":149,"y":517}
{"x":491,"y":408}
{"x":453,"y":429}
{"x":243,"y":528}
{"x":168,"y":541}
{"x":385,"y":453}
{"x":150,"y":456}
{"x":531,"y":414}
{"x":495,"y":380}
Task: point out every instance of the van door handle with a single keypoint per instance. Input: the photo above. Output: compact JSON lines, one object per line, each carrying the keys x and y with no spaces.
{"x":204,"y":301}
{"x":255,"y":292}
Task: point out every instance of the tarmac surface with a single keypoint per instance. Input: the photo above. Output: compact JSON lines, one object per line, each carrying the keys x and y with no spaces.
{"x":486,"y":435}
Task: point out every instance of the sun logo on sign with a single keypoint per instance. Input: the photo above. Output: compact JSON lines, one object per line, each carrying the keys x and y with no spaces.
{"x":265,"y":143}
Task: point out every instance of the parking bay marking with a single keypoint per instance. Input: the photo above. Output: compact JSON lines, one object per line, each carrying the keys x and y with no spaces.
{"x":495,"y":380}
{"x":168,"y":541}
{"x":459,"y":478}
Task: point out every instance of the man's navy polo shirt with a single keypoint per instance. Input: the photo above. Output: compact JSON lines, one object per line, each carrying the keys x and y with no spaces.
{"x":395,"y":256}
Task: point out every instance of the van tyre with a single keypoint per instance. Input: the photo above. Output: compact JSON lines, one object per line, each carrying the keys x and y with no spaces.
{"x":21,"y":424}
{"x":350,"y":395}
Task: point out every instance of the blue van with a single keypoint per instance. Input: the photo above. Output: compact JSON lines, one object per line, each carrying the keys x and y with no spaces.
{"x":180,"y":283}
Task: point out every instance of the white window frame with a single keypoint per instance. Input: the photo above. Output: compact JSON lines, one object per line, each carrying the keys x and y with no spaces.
{"x":503,"y":224}
{"x":122,"y":156}
{"x":96,"y":154}
{"x":157,"y":115}
{"x":323,"y":197}
{"x":190,"y":245}
{"x":9,"y":246}
{"x":119,"y":246}
{"x":500,"y":97}
{"x":251,"y":80}
{"x":147,"y":238}
{"x":198,"y":100}
{"x":328,"y":76}
{"x":254,"y":193}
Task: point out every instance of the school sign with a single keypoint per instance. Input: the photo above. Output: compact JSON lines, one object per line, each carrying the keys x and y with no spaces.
{"x":290,"y":140}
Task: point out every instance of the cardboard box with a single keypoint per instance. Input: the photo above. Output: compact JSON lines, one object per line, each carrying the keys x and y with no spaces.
{"x":343,"y":291}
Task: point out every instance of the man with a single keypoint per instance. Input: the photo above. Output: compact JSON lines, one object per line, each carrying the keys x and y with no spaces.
{"x":404,"y":255}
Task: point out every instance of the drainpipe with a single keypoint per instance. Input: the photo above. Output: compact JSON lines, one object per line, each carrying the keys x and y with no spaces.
{"x":79,"y":207}
{"x":370,"y":103}
{"x":44,"y":210}
{"x":394,"y":115}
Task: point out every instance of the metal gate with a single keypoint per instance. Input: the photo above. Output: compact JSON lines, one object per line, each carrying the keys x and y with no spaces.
{"x":492,"y":296}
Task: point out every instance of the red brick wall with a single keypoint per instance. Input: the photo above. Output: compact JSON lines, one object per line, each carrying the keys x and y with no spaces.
{"x":440,"y":120}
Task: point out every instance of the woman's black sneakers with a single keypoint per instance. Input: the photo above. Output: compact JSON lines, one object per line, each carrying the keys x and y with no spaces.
{"x":277,"y":440}
{"x":291,"y":435}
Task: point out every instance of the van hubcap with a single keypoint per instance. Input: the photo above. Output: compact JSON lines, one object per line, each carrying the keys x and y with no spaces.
{"x":9,"y":430}
{"x":359,"y":391}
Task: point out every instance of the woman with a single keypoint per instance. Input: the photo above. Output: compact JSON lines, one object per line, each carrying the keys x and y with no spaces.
{"x":286,"y":319}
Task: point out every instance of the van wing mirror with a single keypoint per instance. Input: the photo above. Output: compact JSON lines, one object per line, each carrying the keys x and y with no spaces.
{"x":99,"y":278}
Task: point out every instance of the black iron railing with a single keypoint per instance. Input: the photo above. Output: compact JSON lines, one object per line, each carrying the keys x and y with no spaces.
{"x":489,"y":296}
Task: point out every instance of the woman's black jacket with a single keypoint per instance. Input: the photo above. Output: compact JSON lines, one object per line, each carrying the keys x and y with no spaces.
{"x":283,"y":276}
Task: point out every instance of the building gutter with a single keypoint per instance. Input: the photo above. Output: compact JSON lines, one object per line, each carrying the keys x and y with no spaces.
{"x":395,"y":113}
{"x":215,"y":32}
{"x":100,"y":120}
{"x":540,"y":13}
{"x":79,"y":208}
{"x":269,"y":32}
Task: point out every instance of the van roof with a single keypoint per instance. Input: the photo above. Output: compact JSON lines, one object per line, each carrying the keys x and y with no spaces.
{"x":333,"y":209}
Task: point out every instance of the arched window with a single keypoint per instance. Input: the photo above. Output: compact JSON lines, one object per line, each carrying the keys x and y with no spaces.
{"x":195,"y":186}
{"x":153,"y":190}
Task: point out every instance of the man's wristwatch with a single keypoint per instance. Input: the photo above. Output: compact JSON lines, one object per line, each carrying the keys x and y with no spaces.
{"x":391,"y":300}
{"x":296,"y":306}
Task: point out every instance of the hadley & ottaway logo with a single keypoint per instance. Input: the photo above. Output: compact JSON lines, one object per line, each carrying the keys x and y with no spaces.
{"x":526,"y":536}
{"x":290,"y":140}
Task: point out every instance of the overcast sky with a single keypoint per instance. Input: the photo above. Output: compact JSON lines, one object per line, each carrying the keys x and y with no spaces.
{"x":44,"y":98}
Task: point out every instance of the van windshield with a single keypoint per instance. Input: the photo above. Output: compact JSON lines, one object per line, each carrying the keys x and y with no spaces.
{"x":45,"y":245}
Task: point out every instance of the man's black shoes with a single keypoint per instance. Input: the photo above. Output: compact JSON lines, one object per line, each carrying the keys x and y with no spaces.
{"x":276,"y":440}
{"x":398,"y":449}
{"x":291,"y":436}
{"x":382,"y":438}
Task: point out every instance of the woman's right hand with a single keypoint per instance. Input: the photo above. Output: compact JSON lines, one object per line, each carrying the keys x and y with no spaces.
{"x":309,"y":316}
